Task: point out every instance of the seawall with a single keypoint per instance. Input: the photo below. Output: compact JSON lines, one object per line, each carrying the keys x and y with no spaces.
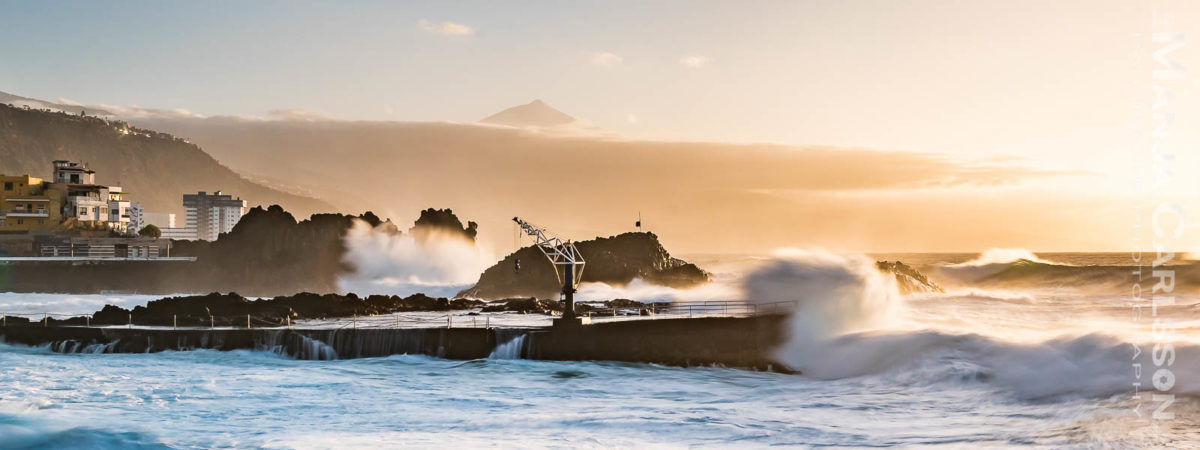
{"x":725,"y":341}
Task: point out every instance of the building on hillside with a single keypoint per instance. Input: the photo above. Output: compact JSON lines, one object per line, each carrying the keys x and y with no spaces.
{"x":137,"y":219}
{"x":91,"y":205}
{"x":118,"y":211}
{"x":28,"y":203}
{"x":212,"y":214}
{"x":67,"y":172}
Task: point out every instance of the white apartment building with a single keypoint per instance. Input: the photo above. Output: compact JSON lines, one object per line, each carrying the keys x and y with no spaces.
{"x":211,"y":214}
{"x":87,"y":201}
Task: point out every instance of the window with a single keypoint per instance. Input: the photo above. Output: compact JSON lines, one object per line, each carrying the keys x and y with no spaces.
{"x":82,"y":212}
{"x":8,"y":186}
{"x":41,"y":221}
{"x":20,"y":221}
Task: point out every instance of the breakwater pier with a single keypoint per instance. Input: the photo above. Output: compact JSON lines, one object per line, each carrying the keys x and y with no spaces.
{"x":744,"y":342}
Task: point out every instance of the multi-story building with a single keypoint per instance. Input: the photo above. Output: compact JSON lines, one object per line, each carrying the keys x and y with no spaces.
{"x":72,"y":199}
{"x":28,"y":203}
{"x":212,"y":214}
{"x":118,"y":211}
{"x":67,"y":172}
{"x":91,"y":204}
{"x":137,"y":219}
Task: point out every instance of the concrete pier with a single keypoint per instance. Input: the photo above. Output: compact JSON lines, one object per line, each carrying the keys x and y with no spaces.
{"x":725,"y":341}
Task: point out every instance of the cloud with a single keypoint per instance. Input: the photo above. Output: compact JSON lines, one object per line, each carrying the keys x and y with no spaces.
{"x":606,"y":59}
{"x":694,"y":61}
{"x":138,"y":112}
{"x":448,"y":28}
{"x":299,"y":115}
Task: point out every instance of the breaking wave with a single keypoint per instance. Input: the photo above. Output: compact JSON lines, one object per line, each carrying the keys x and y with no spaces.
{"x":438,"y":263}
{"x":1018,"y":268}
{"x":848,"y":320}
{"x":1002,"y":256}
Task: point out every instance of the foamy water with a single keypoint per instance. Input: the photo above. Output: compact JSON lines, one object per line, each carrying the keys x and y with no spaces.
{"x":977,"y":366}
{"x":249,"y":399}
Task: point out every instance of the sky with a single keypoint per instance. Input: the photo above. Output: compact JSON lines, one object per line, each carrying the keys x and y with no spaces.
{"x":1057,"y":86}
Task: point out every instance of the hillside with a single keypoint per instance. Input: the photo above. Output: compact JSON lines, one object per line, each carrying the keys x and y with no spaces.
{"x":19,"y":101}
{"x":156,"y":168}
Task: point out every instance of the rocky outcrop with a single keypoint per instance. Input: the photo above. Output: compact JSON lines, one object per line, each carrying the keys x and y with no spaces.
{"x":268,"y":253}
{"x":442,"y":221}
{"x":232,"y":309}
{"x":908,"y":279}
{"x":615,"y":260}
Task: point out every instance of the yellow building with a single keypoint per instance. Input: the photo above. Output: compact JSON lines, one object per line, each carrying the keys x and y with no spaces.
{"x":27,"y":203}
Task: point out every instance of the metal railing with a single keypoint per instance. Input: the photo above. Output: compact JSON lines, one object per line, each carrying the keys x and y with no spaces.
{"x":702,"y":308}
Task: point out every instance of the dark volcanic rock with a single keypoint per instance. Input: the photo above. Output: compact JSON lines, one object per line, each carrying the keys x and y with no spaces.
{"x":232,"y":309}
{"x":432,"y":220}
{"x":908,"y":279}
{"x":268,"y":253}
{"x":615,"y":260}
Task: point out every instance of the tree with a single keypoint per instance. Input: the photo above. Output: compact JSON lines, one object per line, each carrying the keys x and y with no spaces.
{"x":151,"y":231}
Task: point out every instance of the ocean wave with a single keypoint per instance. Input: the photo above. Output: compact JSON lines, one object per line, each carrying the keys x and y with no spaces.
{"x":1002,"y":256}
{"x":1090,"y":366}
{"x":1088,"y":279}
{"x":17,"y":433}
{"x":850,"y":322}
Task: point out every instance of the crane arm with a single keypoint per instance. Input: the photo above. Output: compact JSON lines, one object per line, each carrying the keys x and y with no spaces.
{"x":559,"y":252}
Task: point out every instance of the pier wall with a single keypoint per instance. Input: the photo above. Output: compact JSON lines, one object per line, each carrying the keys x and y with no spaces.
{"x":726,"y":341}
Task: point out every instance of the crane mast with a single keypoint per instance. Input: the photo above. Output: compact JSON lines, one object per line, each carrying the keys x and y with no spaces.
{"x":562,"y":254}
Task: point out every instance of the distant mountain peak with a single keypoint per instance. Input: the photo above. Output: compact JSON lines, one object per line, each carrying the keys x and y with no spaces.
{"x":533,"y":114}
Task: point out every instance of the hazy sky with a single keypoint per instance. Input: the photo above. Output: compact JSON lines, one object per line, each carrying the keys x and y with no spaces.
{"x":1055,"y":83}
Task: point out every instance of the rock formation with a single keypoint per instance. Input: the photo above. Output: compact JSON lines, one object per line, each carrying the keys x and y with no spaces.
{"x":908,"y":279}
{"x":615,"y":260}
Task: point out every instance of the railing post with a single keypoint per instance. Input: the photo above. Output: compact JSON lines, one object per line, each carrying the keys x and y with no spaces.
{"x":449,"y":321}
{"x":174,"y":321}
{"x":4,"y":319}
{"x":289,"y":322}
{"x":131,"y":320}
{"x":474,"y":323}
{"x":487,"y":322}
{"x":247,"y":321}
{"x":211,"y":322}
{"x":45,"y":319}
{"x":397,"y":320}
{"x":87,"y":321}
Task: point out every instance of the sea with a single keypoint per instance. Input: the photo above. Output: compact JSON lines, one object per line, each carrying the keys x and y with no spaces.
{"x":1014,"y":349}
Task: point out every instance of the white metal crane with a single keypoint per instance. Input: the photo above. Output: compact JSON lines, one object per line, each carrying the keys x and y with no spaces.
{"x":561,"y":254}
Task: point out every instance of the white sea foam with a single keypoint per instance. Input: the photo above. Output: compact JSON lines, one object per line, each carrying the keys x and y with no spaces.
{"x":439,"y":264}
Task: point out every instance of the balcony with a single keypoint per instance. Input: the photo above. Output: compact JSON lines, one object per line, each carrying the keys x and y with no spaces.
{"x":23,"y":213}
